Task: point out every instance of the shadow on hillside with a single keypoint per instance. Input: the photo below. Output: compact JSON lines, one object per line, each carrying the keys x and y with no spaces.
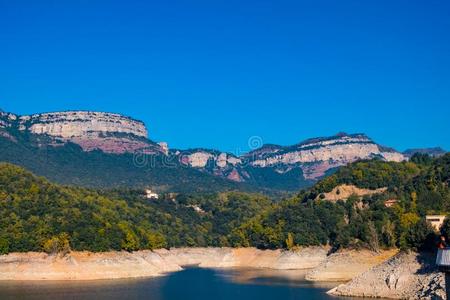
{"x":427,"y":260}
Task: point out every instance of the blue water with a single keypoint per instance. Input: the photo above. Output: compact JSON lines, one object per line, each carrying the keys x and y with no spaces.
{"x":190,"y":284}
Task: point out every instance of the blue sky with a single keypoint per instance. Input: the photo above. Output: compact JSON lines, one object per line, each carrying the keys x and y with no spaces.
{"x":214,"y":73}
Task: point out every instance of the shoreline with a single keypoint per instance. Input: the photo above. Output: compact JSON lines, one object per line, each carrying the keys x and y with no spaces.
{"x":343,"y":266}
{"x":80,"y":266}
{"x":357,"y":273}
{"x":404,"y":276}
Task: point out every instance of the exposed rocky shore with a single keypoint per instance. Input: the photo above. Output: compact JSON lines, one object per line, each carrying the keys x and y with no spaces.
{"x":344,"y":265}
{"x":404,"y":276}
{"x":378,"y":275}
{"x":111,"y":265}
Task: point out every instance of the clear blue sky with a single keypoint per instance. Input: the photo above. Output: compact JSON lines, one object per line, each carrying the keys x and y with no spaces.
{"x":213,"y":73}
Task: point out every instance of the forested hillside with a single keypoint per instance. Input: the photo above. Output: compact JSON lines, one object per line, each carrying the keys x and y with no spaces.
{"x":41,"y":216}
{"x":69,"y":164}
{"x":37,"y":215}
{"x":419,"y":187}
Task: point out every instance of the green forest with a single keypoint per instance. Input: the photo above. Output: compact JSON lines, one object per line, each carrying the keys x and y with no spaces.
{"x":68,"y":164}
{"x":37,"y":215}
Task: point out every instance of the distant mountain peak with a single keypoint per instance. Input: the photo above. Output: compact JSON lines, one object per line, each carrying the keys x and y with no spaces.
{"x":337,"y":136}
{"x":434,"y":151}
{"x":341,"y":134}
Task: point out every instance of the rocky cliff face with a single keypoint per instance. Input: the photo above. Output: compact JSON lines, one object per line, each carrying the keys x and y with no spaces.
{"x":111,"y":133}
{"x":314,"y":157}
{"x":7,"y":119}
{"x":215,"y":162}
{"x":81,"y":123}
{"x":404,"y":276}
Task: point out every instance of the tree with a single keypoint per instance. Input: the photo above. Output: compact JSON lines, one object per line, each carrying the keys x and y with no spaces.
{"x":155,"y":240}
{"x":421,"y":236}
{"x":4,"y":245}
{"x":58,"y":244}
{"x":130,"y":241}
{"x":388,"y":234}
{"x":290,"y":241}
{"x":372,"y":237}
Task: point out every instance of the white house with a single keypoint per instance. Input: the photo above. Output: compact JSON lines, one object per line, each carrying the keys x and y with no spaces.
{"x":150,"y":195}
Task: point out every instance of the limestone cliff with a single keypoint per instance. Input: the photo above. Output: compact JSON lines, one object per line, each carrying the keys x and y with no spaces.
{"x":80,"y":123}
{"x":109,"y":132}
{"x":7,"y":119}
{"x":215,"y":162}
{"x":314,"y":157}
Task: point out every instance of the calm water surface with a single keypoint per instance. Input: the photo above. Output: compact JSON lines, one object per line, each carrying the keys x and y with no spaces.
{"x":190,"y":284}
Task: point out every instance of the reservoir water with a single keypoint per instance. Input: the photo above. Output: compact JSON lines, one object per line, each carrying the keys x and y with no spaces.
{"x":189,"y":284}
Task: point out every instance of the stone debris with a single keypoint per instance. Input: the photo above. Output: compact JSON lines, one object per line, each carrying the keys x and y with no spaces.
{"x":405,"y":276}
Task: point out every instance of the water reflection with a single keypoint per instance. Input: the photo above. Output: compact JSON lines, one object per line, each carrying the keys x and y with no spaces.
{"x":294,"y":278}
{"x":190,"y":284}
{"x":97,"y":289}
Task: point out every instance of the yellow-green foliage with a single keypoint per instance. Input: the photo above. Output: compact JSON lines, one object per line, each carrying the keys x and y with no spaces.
{"x":57,"y":244}
{"x":359,"y":221}
{"x":290,"y":241}
{"x":36,"y":215}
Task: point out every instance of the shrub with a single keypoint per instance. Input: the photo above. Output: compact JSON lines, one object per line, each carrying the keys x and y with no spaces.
{"x":57,"y":244}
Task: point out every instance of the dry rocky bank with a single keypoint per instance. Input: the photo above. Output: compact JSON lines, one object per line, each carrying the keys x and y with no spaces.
{"x":404,"y":276}
{"x":112,"y":265}
{"x":344,"y":265}
{"x":340,"y":266}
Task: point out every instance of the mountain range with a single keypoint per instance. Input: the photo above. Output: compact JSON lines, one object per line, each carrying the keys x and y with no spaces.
{"x":98,"y":149}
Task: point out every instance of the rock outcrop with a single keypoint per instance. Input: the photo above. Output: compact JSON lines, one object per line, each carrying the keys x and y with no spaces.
{"x":202,"y":158}
{"x":405,"y":276}
{"x":7,"y":119}
{"x":344,"y":191}
{"x":214,"y":162}
{"x":344,"y":265}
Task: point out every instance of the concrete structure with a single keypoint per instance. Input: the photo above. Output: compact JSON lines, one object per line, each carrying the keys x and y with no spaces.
{"x":443,"y":263}
{"x":390,"y":202}
{"x":151,"y":195}
{"x":436,"y":221}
